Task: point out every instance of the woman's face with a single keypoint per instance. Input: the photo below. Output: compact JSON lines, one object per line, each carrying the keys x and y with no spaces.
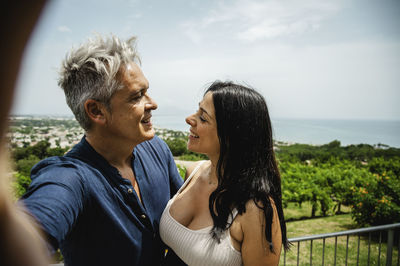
{"x":203,"y":136}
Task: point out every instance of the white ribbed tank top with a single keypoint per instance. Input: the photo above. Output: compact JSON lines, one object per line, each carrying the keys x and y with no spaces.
{"x":197,"y":247}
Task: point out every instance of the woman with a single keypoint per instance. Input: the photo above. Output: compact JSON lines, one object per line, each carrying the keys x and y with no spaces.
{"x":229,"y":211}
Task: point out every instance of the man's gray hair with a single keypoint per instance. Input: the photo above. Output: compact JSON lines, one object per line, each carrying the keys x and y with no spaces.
{"x":90,"y":72}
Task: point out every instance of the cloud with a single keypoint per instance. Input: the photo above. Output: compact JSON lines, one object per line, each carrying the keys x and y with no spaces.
{"x":339,"y":80}
{"x":134,"y":16}
{"x":253,"y":20}
{"x":191,"y":31}
{"x":64,"y":29}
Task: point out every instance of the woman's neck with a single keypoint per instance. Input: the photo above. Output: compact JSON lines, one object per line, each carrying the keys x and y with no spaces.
{"x":212,"y":172}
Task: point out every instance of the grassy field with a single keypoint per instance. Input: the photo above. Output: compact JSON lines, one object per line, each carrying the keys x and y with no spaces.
{"x":305,"y":227}
{"x":294,"y":212}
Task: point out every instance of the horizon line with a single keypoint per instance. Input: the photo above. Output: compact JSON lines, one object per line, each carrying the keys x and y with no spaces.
{"x":272,"y":118}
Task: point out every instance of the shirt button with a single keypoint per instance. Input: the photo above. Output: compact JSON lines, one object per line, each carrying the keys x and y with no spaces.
{"x":130,"y":191}
{"x":143,"y":216}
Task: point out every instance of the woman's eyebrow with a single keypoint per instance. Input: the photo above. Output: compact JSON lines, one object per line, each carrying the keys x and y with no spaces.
{"x":204,"y":111}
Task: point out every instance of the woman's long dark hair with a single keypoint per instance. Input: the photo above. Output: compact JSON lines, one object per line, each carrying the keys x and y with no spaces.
{"x":246,"y":169}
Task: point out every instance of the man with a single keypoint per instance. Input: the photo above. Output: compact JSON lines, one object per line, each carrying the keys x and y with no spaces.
{"x":101,"y":203}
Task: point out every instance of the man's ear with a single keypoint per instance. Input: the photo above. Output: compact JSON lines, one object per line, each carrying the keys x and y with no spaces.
{"x":96,"y":111}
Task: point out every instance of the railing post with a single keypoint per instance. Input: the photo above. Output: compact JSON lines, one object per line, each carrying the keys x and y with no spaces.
{"x":334,"y":263}
{"x":389,"y":247}
{"x":398,"y":251}
{"x":323,"y":251}
{"x":298,"y":252}
{"x":358,"y":249}
{"x":380,"y":244}
{"x":347,"y":248}
{"x":284,"y":257}
{"x":369,"y":247}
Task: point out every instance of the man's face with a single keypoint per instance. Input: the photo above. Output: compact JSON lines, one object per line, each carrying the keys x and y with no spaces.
{"x":131,"y":106}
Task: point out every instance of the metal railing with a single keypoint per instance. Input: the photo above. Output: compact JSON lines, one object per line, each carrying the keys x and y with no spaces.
{"x":391,"y":228}
{"x":358,"y":232}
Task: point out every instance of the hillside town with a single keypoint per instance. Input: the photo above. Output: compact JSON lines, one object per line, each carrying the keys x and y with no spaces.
{"x":58,"y":131}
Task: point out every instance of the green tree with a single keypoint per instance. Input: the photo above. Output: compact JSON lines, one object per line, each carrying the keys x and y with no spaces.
{"x":25,"y":165}
{"x":176,"y":145}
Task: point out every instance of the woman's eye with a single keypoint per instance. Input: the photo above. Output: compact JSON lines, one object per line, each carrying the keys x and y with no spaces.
{"x":199,"y":113}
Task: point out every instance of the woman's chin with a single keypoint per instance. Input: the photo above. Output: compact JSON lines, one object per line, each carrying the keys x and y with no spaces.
{"x":192,"y":148}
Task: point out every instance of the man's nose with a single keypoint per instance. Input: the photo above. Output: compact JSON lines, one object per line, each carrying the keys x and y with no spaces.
{"x":151,"y":104}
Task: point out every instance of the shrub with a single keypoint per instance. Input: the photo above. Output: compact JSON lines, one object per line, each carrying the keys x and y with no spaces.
{"x":20,"y":184}
{"x":193,"y":157}
{"x":25,"y":165}
{"x":177,"y":146}
{"x":378,"y":201}
{"x":181,"y":170}
{"x":380,"y":165}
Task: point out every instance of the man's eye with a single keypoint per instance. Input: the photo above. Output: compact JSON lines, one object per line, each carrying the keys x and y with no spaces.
{"x":138,"y":96}
{"x":202,"y":119}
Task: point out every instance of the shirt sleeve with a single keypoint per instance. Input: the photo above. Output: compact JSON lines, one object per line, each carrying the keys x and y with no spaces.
{"x":175,"y":179}
{"x":55,"y":198}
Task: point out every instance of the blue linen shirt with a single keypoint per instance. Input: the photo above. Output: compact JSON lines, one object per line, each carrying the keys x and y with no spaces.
{"x":93,"y":214}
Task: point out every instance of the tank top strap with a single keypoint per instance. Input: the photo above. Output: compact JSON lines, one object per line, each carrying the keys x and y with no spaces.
{"x":190,"y":177}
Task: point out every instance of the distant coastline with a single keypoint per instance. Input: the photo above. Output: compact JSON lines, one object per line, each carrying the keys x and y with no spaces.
{"x":316,"y":131}
{"x":306,"y":131}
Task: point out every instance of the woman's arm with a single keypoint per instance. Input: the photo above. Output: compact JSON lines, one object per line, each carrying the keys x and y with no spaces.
{"x":255,"y":248}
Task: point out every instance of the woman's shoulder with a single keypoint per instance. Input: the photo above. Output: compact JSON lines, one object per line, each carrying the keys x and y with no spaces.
{"x":254,"y":213}
{"x":252,"y":209}
{"x":194,"y":166}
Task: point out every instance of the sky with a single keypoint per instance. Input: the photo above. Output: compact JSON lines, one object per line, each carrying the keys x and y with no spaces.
{"x":312,"y":59}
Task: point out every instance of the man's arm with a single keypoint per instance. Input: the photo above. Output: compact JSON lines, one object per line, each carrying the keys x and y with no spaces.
{"x":55,"y":199}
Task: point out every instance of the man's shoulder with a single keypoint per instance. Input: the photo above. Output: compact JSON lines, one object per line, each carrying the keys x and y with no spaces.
{"x":57,"y":167}
{"x":58,"y":161}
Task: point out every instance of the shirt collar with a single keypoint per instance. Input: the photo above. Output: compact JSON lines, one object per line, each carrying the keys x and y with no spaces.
{"x":85,"y":152}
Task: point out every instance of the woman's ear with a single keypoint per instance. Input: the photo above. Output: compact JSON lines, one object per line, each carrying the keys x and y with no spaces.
{"x":96,"y":111}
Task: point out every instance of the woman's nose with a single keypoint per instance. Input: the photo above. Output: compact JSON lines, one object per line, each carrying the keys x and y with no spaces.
{"x":189,"y":120}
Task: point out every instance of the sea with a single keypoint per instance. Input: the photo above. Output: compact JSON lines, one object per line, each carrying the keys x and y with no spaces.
{"x":315,"y":131}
